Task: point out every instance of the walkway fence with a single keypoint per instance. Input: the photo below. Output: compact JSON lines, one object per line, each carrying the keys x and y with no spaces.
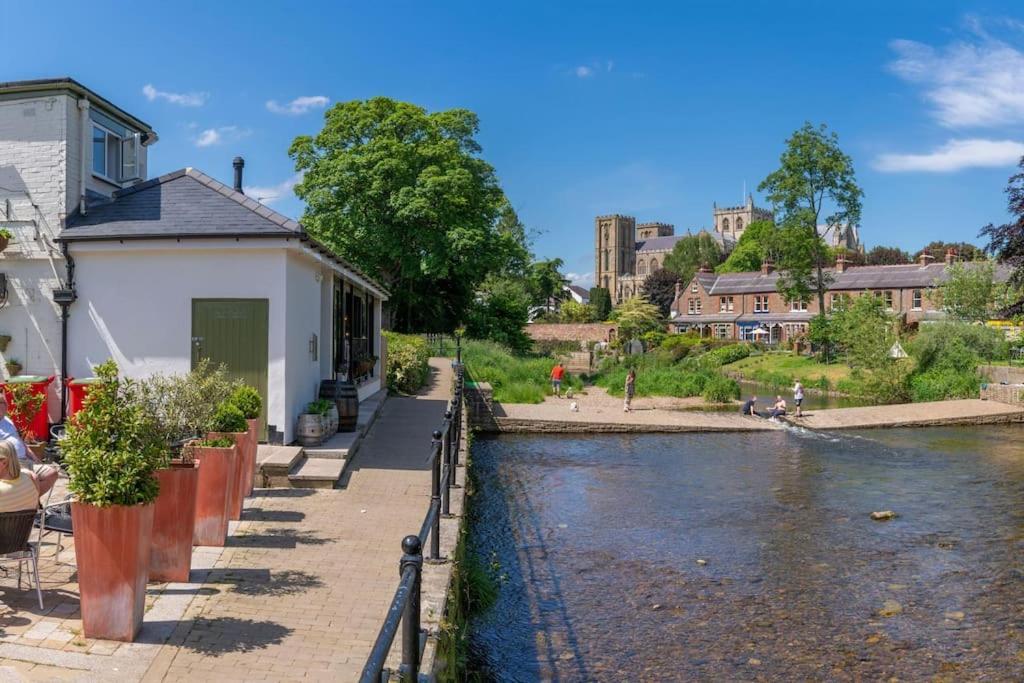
{"x":404,"y":611}
{"x":444,"y":345}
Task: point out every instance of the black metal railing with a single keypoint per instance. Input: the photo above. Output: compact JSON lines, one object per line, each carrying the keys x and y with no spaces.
{"x":404,"y":611}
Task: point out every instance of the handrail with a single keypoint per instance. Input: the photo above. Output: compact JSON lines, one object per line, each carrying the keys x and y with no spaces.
{"x":405,"y":605}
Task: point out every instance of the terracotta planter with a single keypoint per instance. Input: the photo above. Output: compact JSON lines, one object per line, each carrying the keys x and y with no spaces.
{"x":254,"y":443}
{"x":237,"y":498}
{"x":217,"y":478}
{"x":112,"y":553}
{"x":174,"y":521}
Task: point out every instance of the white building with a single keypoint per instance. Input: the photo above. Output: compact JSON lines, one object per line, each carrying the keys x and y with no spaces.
{"x":159,"y":273}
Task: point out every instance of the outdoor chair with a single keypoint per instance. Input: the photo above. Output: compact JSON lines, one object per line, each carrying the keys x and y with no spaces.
{"x":15,"y":529}
{"x":55,"y":518}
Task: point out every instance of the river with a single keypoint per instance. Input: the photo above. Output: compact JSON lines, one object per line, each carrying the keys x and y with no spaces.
{"x":751,"y":556}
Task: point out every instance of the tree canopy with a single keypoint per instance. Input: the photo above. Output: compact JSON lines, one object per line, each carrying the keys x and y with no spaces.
{"x":635,"y":316}
{"x":601,"y":300}
{"x":965,"y":251}
{"x":1006,"y":241}
{"x":887,"y":256}
{"x":690,"y":253}
{"x":659,"y":288}
{"x":404,"y":195}
{"x":757,"y":242}
{"x":814,"y":185}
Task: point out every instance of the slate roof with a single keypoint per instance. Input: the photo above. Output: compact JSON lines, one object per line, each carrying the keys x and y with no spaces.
{"x":582,"y":293}
{"x":187,"y":204}
{"x":782,"y":316}
{"x":659,"y":243}
{"x":685,"y":318}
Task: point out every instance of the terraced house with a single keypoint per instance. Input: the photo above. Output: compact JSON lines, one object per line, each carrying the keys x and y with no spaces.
{"x":158,"y":273}
{"x":747,"y":306}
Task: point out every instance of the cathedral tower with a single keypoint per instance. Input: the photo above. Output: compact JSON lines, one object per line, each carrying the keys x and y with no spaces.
{"x":615,"y":251}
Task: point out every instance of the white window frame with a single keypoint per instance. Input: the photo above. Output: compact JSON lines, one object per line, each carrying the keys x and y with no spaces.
{"x":691,"y":307}
{"x":731,"y":304}
{"x":700,"y":306}
{"x":760,"y":304}
{"x":693,"y":287}
{"x":798,"y":306}
{"x":119,"y":166}
{"x":888,"y":298}
{"x":917,"y":299}
{"x":721,"y":304}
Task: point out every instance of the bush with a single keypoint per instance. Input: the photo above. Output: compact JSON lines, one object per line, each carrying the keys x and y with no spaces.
{"x":653,"y":339}
{"x":228,"y":418}
{"x":248,"y":400}
{"x":184,"y":405}
{"x":555,"y":347}
{"x":719,"y":389}
{"x":654,"y":377}
{"x":408,"y":363}
{"x":114,"y":445}
{"x":940,"y":384}
{"x":725,"y":355}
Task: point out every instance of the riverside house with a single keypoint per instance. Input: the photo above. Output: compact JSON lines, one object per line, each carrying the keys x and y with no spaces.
{"x":747,"y":306}
{"x":160,"y":273}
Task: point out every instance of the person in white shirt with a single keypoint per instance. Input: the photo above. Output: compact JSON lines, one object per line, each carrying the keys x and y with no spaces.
{"x":18,"y":488}
{"x":45,"y":475}
{"x":798,"y":398}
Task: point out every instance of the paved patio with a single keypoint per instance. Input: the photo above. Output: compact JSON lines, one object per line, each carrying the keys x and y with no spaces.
{"x":299,"y":593}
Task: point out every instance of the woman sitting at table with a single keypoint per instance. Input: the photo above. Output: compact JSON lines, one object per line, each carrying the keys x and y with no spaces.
{"x":18,"y":488}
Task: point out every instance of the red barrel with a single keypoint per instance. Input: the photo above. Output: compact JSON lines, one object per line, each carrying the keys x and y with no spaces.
{"x":78,"y":389}
{"x":40,"y":422}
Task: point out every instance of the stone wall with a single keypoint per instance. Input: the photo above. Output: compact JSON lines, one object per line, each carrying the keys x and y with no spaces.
{"x":583,"y":332}
{"x":1002,"y":374}
{"x":1004,"y":393}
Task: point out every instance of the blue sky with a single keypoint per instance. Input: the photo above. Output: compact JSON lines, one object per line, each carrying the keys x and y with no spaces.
{"x":650,"y":109}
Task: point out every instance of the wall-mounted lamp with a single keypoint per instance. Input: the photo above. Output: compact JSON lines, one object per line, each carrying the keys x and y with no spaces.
{"x":314,"y":347}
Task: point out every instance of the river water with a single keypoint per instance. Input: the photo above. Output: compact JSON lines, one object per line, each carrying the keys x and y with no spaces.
{"x":752,"y":556}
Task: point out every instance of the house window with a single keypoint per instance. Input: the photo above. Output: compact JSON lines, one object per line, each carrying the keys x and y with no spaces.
{"x":722,"y":331}
{"x":797,"y":306}
{"x":114,"y":158}
{"x":760,"y":304}
{"x":693,"y":287}
{"x":700,"y":305}
{"x":725,"y":303}
{"x":916,"y":304}
{"x":691,"y":307}
{"x":888,"y":299}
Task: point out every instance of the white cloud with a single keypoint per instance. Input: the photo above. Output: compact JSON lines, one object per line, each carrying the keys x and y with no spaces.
{"x":585,"y":280}
{"x":215,"y":136}
{"x":968,"y":84}
{"x":583,"y":72}
{"x":191,"y":99}
{"x":300,"y":105}
{"x":954,"y":156}
{"x":272,"y":193}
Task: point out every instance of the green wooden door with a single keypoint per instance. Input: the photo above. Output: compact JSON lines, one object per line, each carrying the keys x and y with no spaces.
{"x":234,"y":332}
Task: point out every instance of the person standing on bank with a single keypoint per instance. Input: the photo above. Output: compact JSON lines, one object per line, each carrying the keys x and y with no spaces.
{"x":630,"y":389}
{"x":798,"y":398}
{"x":557,"y":373}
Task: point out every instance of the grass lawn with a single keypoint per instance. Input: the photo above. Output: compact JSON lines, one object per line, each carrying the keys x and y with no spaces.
{"x":783,"y":368}
{"x":515,"y":379}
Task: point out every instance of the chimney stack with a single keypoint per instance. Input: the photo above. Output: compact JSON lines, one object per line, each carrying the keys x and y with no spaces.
{"x":767,"y":266}
{"x":950,"y":256}
{"x":679,"y":289}
{"x":925,"y":258}
{"x":841,"y":263}
{"x":239,"y":164}
{"x":704,"y":268}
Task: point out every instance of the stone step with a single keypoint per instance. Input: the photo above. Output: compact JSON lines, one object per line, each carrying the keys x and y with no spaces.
{"x":316,"y":473}
{"x":275,"y":463}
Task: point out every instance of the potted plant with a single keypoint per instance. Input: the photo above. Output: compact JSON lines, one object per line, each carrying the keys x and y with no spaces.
{"x":25,"y":403}
{"x":217,"y":460}
{"x":174,"y":519}
{"x":112,"y":449}
{"x":312,"y":426}
{"x":249,"y":401}
{"x":5,"y":238}
{"x":229,"y":423}
{"x":13,"y":366}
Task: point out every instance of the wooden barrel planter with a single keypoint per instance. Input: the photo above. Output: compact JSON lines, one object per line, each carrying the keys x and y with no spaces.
{"x":332,"y":419}
{"x":174,"y":521}
{"x":310,"y":430}
{"x":346,"y":397}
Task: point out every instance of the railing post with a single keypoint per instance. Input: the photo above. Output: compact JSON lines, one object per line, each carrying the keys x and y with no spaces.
{"x":453,"y":442}
{"x":435,"y":495}
{"x":446,"y":449}
{"x":458,"y":420}
{"x":458,"y":349}
{"x":413,"y":557}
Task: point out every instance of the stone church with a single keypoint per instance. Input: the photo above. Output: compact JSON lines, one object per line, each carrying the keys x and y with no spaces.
{"x":625,"y":252}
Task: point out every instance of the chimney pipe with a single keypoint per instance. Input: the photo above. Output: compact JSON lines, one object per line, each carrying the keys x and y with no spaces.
{"x":239,"y":164}
{"x":767,"y":266}
{"x":950,"y":256}
{"x":841,"y":263}
{"x":925,"y":258}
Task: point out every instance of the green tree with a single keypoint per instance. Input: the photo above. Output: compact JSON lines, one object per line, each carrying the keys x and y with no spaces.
{"x":758,"y":242}
{"x":660,"y":289}
{"x":601,"y":300}
{"x":690,"y":253}
{"x":969,"y":292}
{"x":574,"y":312}
{"x":546,"y":283}
{"x":403,"y":194}
{"x":864,"y":330}
{"x":1006,"y":243}
{"x":500,"y":312}
{"x":814,"y":185}
{"x":635,"y":316}
{"x":887,"y":256}
{"x":965,"y":251}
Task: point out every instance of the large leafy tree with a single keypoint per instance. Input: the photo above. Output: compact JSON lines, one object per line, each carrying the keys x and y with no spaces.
{"x":969,"y":292}
{"x":887,"y":256}
{"x":758,"y":242}
{"x":601,"y":300}
{"x":404,"y":194}
{"x":635,"y":316}
{"x":659,"y":288}
{"x":546,"y":283}
{"x":690,"y":253}
{"x":965,"y":251}
{"x":814,"y":185}
{"x":500,"y":312}
{"x":1006,"y":241}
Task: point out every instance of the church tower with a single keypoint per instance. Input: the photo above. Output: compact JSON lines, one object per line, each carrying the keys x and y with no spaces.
{"x":731,"y":221}
{"x":615,"y":252}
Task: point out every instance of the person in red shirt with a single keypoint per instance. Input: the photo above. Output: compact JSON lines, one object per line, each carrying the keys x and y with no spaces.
{"x":557,"y":373}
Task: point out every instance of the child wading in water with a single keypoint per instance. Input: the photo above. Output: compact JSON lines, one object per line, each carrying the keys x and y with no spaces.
{"x":630,"y":388}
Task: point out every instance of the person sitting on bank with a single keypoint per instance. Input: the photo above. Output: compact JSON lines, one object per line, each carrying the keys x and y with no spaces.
{"x":750,"y":407}
{"x":19,"y":489}
{"x":557,"y":373}
{"x":779,"y":408}
{"x":45,"y":475}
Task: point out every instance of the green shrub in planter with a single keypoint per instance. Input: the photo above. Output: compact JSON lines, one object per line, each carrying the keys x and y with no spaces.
{"x":228,"y":418}
{"x":321,"y":406}
{"x":114,"y":445}
{"x":248,"y":400}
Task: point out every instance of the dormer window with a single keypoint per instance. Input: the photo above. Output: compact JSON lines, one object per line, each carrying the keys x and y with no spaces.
{"x":114,"y":158}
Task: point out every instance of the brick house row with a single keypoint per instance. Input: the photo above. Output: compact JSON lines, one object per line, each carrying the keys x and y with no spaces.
{"x":747,"y":306}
